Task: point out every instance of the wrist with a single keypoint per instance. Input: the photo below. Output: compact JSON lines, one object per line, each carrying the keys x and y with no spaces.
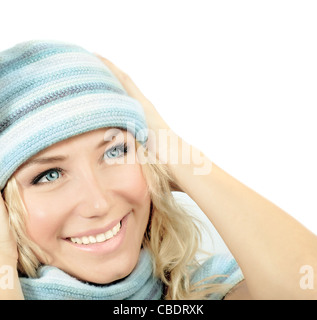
{"x":8,"y":261}
{"x":8,"y":253}
{"x":186,"y":162}
{"x":183,"y":160}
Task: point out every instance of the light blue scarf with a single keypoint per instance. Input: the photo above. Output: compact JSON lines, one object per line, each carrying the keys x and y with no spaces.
{"x":54,"y":284}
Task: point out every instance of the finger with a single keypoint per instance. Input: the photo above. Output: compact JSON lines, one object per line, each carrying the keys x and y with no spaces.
{"x":3,"y":211}
{"x":4,"y":220}
{"x":131,"y":88}
{"x":111,"y":65}
{"x":2,"y":205}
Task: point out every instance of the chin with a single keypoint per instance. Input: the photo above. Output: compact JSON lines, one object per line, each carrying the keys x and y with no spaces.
{"x":110,"y":272}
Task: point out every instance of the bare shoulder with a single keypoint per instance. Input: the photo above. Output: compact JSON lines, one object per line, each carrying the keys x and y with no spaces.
{"x":239,"y":292}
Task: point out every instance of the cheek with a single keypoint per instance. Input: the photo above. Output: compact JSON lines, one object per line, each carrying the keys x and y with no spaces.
{"x":46,"y":218}
{"x":132,"y":185}
{"x":43,"y":220}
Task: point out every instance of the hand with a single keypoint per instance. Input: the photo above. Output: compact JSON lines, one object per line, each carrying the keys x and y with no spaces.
{"x":154,"y":120}
{"x":156,"y":125}
{"x":8,"y":246}
{"x":8,"y":257}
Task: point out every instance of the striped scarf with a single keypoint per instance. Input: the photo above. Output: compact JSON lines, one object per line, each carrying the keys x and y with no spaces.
{"x":54,"y":284}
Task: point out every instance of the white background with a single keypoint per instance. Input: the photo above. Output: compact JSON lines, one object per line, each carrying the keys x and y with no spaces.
{"x":235,"y":78}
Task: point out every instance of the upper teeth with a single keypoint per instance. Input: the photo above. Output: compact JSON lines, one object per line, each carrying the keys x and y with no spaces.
{"x":101,"y":237}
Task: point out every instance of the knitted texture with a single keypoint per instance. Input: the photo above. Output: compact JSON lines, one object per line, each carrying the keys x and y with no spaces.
{"x":225,"y":267}
{"x":54,"y":284}
{"x":50,"y":91}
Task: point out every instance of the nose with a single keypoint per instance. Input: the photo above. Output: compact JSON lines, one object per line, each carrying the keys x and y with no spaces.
{"x":94,"y":197}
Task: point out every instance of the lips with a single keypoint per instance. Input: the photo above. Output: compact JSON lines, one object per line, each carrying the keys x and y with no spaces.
{"x":98,"y":235}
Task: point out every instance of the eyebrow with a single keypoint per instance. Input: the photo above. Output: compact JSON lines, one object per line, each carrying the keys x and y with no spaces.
{"x":46,"y":160}
{"x":43,"y":160}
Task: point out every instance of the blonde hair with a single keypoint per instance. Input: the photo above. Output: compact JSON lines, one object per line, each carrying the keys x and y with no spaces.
{"x":172,"y":236}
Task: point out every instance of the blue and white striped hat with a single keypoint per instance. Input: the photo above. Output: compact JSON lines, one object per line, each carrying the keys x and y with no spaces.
{"x":50,"y":91}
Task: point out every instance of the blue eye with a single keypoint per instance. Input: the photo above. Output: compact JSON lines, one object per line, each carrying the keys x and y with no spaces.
{"x":52,"y":175}
{"x":117,"y":151}
{"x":48,"y":176}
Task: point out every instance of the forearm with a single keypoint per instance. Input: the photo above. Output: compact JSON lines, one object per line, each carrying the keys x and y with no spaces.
{"x":10,"y":288}
{"x":269,"y":245}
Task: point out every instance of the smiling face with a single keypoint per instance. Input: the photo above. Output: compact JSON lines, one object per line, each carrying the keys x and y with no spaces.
{"x":87,"y":209}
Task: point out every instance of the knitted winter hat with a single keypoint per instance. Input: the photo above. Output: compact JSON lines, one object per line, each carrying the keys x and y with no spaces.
{"x":50,"y":91}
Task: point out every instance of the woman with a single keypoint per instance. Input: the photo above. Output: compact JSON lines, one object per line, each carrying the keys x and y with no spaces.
{"x":88,"y":194}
